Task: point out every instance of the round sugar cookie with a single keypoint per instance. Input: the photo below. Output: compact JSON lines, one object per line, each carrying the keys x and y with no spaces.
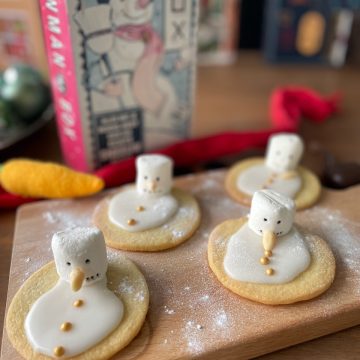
{"x":306,"y":197}
{"x":135,"y":309}
{"x":316,"y":279}
{"x":178,"y":229}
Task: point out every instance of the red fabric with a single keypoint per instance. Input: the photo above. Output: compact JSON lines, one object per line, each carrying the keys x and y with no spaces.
{"x":188,"y":153}
{"x":287,"y":107}
{"x":10,"y":201}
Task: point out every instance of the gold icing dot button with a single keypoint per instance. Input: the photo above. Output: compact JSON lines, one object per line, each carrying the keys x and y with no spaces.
{"x":268,"y":253}
{"x":270,"y":271}
{"x":59,"y":351}
{"x":264,"y":260}
{"x":131,"y":222}
{"x":66,"y":326}
{"x":140,"y":208}
{"x":78,"y":303}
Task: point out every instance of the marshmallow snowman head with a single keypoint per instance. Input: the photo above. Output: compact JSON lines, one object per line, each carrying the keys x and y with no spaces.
{"x":271,"y":211}
{"x":284,"y":152}
{"x":81,"y":251}
{"x":154,"y":175}
{"x":95,"y":23}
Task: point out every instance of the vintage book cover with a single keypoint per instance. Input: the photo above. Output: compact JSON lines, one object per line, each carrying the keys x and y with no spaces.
{"x":122,"y":74}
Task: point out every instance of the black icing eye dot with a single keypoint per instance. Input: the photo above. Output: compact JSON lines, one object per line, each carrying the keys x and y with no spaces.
{"x":279,"y":222}
{"x":265,"y":219}
{"x":260,"y":231}
{"x":145,"y":177}
{"x":87,"y":261}
{"x":157,"y":179}
{"x":68,"y":263}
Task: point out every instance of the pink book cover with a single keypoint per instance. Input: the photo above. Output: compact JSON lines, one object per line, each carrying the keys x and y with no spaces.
{"x":122,"y":73}
{"x":63,"y":80}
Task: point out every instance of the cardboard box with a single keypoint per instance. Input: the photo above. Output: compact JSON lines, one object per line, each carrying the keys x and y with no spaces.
{"x":122,"y":75}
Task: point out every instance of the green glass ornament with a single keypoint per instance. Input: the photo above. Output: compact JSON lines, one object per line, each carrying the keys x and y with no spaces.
{"x":24,"y":89}
{"x":8,"y":118}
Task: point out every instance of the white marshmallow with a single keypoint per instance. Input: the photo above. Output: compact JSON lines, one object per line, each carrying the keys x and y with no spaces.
{"x":271,"y":211}
{"x":154,"y":175}
{"x":284,"y":152}
{"x":82,"y":248}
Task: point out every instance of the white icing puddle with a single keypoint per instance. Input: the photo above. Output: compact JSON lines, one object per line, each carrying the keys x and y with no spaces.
{"x":156,"y":210}
{"x":255,"y":177}
{"x":242,"y":260}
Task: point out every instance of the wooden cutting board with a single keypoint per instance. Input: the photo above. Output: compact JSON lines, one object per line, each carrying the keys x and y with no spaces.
{"x":191,"y":314}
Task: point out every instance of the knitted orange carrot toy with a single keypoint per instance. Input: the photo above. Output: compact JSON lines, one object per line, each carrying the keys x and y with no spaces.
{"x":46,"y":180}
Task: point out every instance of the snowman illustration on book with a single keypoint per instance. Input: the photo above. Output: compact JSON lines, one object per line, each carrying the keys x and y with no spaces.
{"x":79,"y":311}
{"x":266,"y":258}
{"x":279,"y":171}
{"x":131,"y":54}
{"x":150,"y":215}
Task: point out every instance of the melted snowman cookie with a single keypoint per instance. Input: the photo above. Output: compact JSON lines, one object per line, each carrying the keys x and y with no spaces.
{"x":67,"y":310}
{"x":267,"y":249}
{"x":152,"y":215}
{"x":279,"y":171}
{"x":151,"y":204}
{"x":266,"y":259}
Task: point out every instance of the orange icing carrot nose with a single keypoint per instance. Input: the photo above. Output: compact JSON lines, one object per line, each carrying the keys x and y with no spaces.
{"x":152,"y":185}
{"x":76,"y":279}
{"x":268,"y":240}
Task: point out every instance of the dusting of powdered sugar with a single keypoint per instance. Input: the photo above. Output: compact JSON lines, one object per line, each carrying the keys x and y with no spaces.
{"x":200,"y":314}
{"x":341,"y":234}
{"x":221,"y":319}
{"x":31,"y":265}
{"x":168,"y":311}
{"x":125,"y":286}
{"x":214,"y":315}
{"x":66,"y":219}
{"x":178,"y":233}
{"x":191,"y":334}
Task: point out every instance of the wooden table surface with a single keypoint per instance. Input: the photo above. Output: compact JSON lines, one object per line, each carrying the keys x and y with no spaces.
{"x":236,"y":98}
